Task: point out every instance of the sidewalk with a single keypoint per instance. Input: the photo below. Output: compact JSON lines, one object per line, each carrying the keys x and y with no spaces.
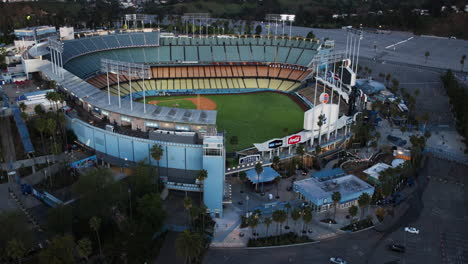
{"x":227,"y":230}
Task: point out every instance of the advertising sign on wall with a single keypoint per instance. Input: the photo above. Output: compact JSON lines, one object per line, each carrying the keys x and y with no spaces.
{"x":294,"y":139}
{"x":275,"y":143}
{"x":249,"y":159}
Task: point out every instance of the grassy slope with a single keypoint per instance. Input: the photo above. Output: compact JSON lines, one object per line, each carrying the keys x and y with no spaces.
{"x":254,"y":118}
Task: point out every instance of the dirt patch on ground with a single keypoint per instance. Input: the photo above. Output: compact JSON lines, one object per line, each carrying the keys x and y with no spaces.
{"x":202,"y":103}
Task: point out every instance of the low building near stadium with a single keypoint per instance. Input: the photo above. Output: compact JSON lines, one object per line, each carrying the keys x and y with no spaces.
{"x":319,"y":193}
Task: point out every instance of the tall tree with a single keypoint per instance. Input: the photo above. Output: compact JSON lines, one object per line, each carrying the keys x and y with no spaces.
{"x":275,"y":162}
{"x":41,"y":126}
{"x":60,"y":219}
{"x":279,"y":216}
{"x":156,"y":153}
{"x":267,"y":221}
{"x":59,"y":251}
{"x":187,"y":205}
{"x":353,"y":210}
{"x":336,"y":197}
{"x":151,"y":212}
{"x":15,"y":249}
{"x":277,"y":182}
{"x":84,"y":248}
{"x":427,"y":54}
{"x":295,"y":215}
{"x":95,"y":225}
{"x":242,"y":177}
{"x":201,"y":176}
{"x":189,"y":245}
{"x":306,"y":217}
{"x":320,"y":123}
{"x":462,"y":62}
{"x":364,"y":201}
{"x":258,"y":30}
{"x":258,"y":170}
{"x":300,"y":150}
{"x":253,"y":223}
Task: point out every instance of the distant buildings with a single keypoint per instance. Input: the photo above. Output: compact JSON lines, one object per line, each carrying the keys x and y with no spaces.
{"x":27,"y":37}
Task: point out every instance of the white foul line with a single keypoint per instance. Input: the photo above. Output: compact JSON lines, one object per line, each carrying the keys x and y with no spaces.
{"x":398,"y":43}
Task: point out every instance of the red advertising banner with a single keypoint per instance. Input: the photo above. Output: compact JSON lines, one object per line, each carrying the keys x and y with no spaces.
{"x":294,"y":139}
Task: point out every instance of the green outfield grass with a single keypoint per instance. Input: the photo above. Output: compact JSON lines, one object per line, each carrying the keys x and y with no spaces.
{"x":253,"y":118}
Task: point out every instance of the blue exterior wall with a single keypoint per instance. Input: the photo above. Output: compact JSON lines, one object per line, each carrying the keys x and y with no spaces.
{"x":177,"y":156}
{"x":213,"y":186}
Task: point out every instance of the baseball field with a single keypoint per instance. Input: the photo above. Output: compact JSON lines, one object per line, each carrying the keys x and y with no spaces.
{"x":253,"y":118}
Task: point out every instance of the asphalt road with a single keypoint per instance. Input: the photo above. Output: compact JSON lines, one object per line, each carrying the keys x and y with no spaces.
{"x":438,"y":208}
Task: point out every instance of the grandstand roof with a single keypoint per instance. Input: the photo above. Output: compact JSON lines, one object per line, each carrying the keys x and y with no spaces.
{"x":99,"y":99}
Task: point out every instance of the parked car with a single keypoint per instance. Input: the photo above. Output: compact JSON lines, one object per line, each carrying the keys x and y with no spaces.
{"x":397,"y":248}
{"x":338,"y":261}
{"x":412,"y":230}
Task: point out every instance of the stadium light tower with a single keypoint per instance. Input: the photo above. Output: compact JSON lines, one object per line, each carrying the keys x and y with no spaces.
{"x":199,"y":17}
{"x":283,"y":18}
{"x":128,"y":69}
{"x":353,"y":44}
{"x":56,"y":50}
{"x":135,"y":18}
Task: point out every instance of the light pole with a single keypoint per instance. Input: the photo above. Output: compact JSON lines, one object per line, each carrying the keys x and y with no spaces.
{"x":246,"y":204}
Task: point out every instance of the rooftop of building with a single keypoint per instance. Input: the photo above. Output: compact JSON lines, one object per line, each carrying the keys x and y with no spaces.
{"x":314,"y":189}
{"x":328,"y":174}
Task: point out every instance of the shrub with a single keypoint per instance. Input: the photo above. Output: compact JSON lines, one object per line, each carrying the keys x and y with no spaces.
{"x":284,"y":239}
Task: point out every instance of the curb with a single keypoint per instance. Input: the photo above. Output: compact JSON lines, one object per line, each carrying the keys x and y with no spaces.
{"x":283,"y":246}
{"x":365,"y":229}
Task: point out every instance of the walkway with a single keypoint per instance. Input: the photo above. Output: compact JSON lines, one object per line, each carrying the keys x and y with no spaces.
{"x":23,"y":130}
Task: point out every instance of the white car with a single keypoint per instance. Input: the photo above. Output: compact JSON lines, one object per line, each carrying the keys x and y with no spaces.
{"x":338,"y":261}
{"x":412,"y":230}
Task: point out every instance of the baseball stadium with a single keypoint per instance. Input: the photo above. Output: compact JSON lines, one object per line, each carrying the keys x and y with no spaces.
{"x":199,"y":98}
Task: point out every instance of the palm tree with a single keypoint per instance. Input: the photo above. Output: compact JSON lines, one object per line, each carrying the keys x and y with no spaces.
{"x":277,"y":182}
{"x":15,"y":249}
{"x":295,"y":215}
{"x":84,"y":248}
{"x":41,"y":126}
{"x":95,"y":224}
{"x":187,"y":205}
{"x":300,"y":150}
{"x":275,"y":162}
{"x":279,"y":216}
{"x":336,"y":197}
{"x":353,"y":210}
{"x":462,"y":62}
{"x":242,"y":177}
{"x":427,"y":54}
{"x":387,"y":78}
{"x":156,"y":153}
{"x":189,"y":245}
{"x":22,"y":106}
{"x":306,"y":217}
{"x":288,"y":208}
{"x":267,"y":221}
{"x":201,"y":176}
{"x":253,"y":222}
{"x":258,"y":170}
{"x":363,"y":201}
{"x":321,"y":118}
